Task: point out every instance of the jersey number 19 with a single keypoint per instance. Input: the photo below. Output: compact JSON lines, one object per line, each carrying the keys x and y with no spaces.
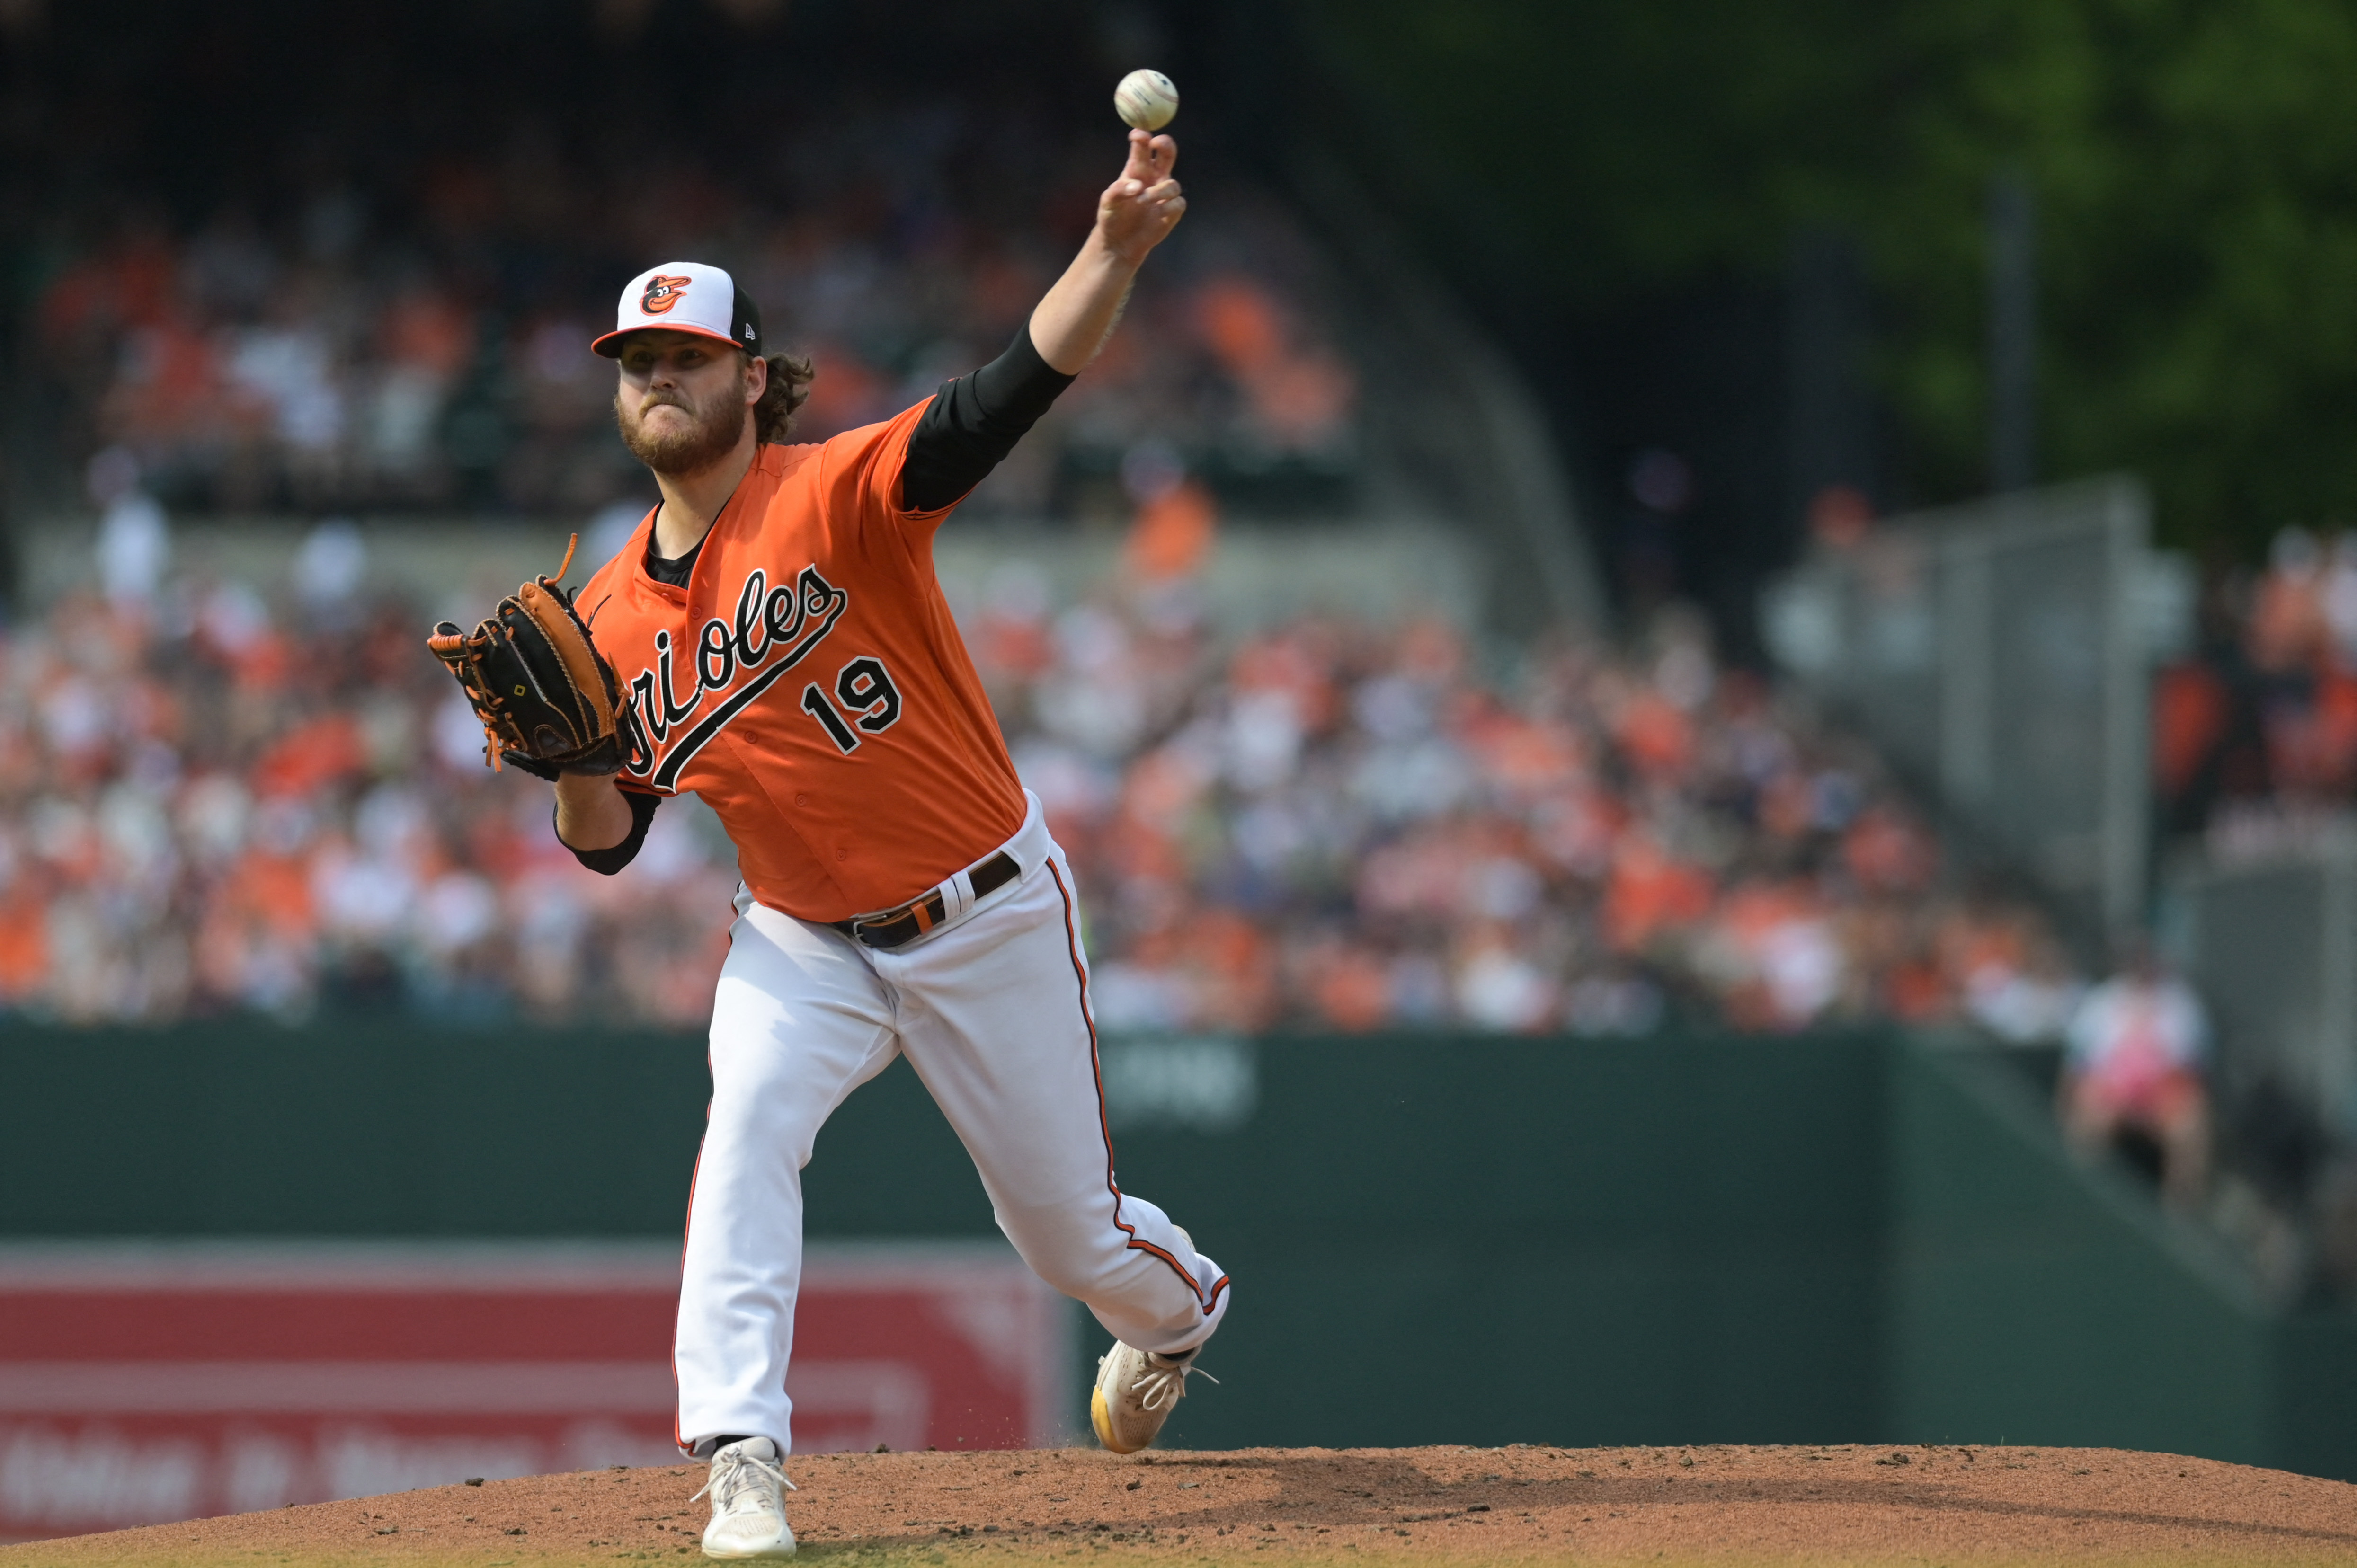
{"x":869,"y":700}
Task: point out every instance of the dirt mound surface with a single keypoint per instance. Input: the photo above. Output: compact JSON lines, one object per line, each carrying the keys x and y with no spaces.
{"x":1836,"y":1505}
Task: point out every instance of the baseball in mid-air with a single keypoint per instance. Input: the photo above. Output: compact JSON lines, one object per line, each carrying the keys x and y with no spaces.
{"x":1146,"y":99}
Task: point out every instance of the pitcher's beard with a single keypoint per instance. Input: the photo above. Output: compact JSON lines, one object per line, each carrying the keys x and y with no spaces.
{"x":711,"y":435}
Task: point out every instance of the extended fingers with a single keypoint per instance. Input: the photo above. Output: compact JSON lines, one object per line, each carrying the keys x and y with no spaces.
{"x":1151,"y":158}
{"x":1140,"y":164}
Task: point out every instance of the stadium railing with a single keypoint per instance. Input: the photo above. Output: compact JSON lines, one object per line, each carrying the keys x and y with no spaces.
{"x":2269,"y":932}
{"x":1998,"y":651}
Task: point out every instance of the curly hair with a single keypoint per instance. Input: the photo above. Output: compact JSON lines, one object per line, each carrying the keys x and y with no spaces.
{"x":789,"y":382}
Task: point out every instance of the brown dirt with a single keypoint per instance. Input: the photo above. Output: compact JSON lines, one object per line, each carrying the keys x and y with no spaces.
{"x":1837,"y":1505}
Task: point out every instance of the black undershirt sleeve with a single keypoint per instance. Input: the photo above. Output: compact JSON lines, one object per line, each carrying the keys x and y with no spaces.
{"x":974,"y":421}
{"x":608,"y":861}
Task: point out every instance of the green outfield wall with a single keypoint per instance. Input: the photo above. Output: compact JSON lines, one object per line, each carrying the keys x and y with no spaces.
{"x":1822,"y":1238}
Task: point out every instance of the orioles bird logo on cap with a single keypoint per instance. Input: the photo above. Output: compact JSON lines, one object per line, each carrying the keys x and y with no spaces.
{"x":663,"y":291}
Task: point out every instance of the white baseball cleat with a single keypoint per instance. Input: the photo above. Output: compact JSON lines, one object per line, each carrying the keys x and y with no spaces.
{"x":1135,"y":1391}
{"x":749,"y":1489}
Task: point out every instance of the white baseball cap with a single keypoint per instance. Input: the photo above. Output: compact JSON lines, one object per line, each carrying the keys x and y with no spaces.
{"x":686,"y":296}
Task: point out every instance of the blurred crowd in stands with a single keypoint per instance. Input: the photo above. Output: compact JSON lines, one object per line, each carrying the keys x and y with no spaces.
{"x":1356,"y":827}
{"x":213,"y":800}
{"x":428,"y":349}
{"x":2258,"y":721}
{"x":215,"y":796}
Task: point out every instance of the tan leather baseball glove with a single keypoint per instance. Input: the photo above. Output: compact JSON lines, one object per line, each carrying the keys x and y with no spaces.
{"x":545,"y":694}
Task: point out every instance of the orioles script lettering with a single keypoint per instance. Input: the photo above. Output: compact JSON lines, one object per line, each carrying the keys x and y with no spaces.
{"x":773,"y":630}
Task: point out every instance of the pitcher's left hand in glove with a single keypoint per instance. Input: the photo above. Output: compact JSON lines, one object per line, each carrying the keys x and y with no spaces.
{"x":545,"y":694}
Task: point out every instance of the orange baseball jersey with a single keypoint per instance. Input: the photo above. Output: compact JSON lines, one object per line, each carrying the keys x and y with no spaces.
{"x":808,"y":684}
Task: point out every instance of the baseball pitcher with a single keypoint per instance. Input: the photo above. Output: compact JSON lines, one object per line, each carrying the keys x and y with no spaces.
{"x":773,"y":640}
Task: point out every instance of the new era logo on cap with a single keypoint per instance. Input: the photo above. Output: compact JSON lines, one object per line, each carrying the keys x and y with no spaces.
{"x":686,"y":296}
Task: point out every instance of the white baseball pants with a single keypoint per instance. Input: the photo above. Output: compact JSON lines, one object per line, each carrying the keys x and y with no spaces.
{"x":991,"y":1008}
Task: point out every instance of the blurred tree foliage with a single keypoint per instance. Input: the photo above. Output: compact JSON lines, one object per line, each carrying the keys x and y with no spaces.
{"x":2195,"y":166}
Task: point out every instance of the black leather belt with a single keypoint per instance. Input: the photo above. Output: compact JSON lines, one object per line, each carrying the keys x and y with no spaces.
{"x":918,"y":916}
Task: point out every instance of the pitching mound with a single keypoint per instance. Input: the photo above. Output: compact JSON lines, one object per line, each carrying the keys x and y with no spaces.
{"x":1751,"y":1505}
